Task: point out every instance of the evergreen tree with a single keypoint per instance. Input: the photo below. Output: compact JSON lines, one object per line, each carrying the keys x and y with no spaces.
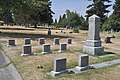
{"x":99,"y":8}
{"x":113,"y":21}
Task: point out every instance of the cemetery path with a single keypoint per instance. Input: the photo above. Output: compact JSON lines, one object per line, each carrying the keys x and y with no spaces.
{"x":7,"y":71}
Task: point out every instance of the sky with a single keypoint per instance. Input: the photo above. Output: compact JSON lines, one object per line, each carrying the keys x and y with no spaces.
{"x":59,"y":6}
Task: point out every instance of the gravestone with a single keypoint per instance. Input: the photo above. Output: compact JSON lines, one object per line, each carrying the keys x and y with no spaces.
{"x":63,"y":47}
{"x":83,"y":62}
{"x":46,"y":48}
{"x":69,"y":40}
{"x":107,"y":39}
{"x":27,"y":41}
{"x":11,"y":42}
{"x":59,"y":66}
{"x":41,"y":41}
{"x":26,"y":50}
{"x":56,"y":41}
{"x":93,"y":44}
{"x":49,"y":32}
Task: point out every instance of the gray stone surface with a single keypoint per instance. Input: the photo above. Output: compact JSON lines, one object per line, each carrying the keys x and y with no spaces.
{"x":41,"y":41}
{"x":63,"y":47}
{"x":106,"y":64}
{"x":46,"y":48}
{"x":7,"y":73}
{"x":59,"y":67}
{"x":83,"y":60}
{"x":69,"y":40}
{"x":27,"y":41}
{"x":56,"y":41}
{"x":77,"y":70}
{"x":11,"y":42}
{"x":59,"y":64}
{"x":26,"y":50}
{"x":93,"y":44}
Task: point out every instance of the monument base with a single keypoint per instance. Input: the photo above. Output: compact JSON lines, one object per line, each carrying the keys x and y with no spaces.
{"x":82,"y":68}
{"x":46,"y":52}
{"x":61,"y":51}
{"x":26,"y":54}
{"x":93,"y":50}
{"x":54,"y":73}
{"x":10,"y":45}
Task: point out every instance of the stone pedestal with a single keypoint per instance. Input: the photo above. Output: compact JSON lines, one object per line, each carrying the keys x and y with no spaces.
{"x":93,"y":44}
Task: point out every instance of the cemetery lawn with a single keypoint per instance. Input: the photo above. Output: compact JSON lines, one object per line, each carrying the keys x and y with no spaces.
{"x":27,"y":66}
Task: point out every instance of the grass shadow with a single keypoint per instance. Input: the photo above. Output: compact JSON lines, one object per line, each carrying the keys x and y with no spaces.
{"x":32,"y":36}
{"x":16,"y":28}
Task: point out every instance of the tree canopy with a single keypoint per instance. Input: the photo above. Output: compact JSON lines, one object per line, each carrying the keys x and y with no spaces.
{"x":99,"y":8}
{"x":113,"y":21}
{"x":72,"y":20}
{"x":28,"y":11}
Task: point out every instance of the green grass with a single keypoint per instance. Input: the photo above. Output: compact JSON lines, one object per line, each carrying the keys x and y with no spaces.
{"x":109,"y":58}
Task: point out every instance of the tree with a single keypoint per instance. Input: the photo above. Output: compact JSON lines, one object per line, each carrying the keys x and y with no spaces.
{"x":99,"y":8}
{"x":27,"y":11}
{"x":72,"y":20}
{"x":62,"y":21}
{"x":113,"y":21}
{"x":34,"y":12}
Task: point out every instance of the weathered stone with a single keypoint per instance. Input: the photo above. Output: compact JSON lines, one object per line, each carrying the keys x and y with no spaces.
{"x":41,"y":41}
{"x":93,"y":44}
{"x":26,"y":50}
{"x":27,"y":41}
{"x":46,"y":48}
{"x":83,"y":63}
{"x":63,"y":47}
{"x":11,"y":42}
{"x":83,"y":60}
{"x":56,"y":41}
{"x":69,"y":40}
{"x":59,"y":66}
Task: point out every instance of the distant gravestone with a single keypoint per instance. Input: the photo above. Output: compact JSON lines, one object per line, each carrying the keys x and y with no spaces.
{"x":27,"y":41}
{"x":26,"y":50}
{"x":107,"y":39}
{"x":56,"y":41}
{"x":93,"y":44}
{"x":69,"y":40}
{"x":11,"y":42}
{"x":63,"y":47}
{"x":41,"y":41}
{"x":49,"y":32}
{"x":46,"y":49}
{"x":59,"y":66}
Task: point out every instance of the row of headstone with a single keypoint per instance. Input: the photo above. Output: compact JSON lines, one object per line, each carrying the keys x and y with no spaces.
{"x":41,"y":41}
{"x":27,"y":49}
{"x":60,"y":65}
